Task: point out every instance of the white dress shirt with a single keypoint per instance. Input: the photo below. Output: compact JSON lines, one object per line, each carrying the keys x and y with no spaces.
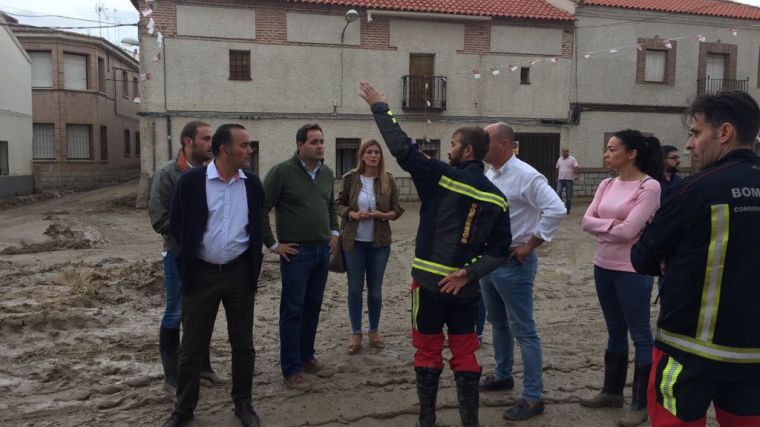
{"x":226,"y":236}
{"x":534,"y":207}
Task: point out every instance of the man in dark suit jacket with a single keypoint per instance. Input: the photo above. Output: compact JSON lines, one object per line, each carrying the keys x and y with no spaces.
{"x":216,"y":219}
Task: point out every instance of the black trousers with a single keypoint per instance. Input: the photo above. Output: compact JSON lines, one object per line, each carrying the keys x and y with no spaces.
{"x":231,"y":286}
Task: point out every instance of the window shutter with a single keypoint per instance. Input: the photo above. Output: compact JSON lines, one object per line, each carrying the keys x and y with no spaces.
{"x":655,"y":66}
{"x":74,"y":72}
{"x":42,"y":69}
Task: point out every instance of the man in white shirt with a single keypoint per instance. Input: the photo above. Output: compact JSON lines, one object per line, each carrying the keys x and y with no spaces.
{"x":567,"y":173}
{"x":535,"y":212}
{"x":215,"y":217}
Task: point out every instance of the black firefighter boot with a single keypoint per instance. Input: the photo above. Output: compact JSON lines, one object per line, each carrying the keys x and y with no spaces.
{"x":468,"y":394}
{"x":637,"y":414}
{"x":615,"y":371}
{"x":168,"y":346}
{"x":427,"y":391}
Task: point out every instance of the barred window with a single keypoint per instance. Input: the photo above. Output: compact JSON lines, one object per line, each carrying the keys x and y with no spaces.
{"x":4,"y":167}
{"x":103,"y":143}
{"x":346,"y":150}
{"x":78,"y":142}
{"x":431,"y":148}
{"x":43,"y":141}
{"x":240,"y":65}
{"x":127,"y":144}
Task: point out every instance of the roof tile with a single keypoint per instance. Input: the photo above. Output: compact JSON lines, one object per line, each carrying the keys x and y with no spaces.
{"x":528,"y":9}
{"x":719,"y":8}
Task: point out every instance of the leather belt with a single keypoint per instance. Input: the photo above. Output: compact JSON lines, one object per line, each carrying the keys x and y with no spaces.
{"x":222,"y":267}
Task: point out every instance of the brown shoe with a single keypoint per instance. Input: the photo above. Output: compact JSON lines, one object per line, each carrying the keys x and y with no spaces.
{"x":297,"y":381}
{"x":375,"y":341}
{"x":312,"y":366}
{"x":315,"y":367}
{"x":354,"y":343}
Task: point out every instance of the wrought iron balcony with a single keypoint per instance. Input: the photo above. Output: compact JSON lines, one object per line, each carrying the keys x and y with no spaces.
{"x":712,"y":86}
{"x":424,"y":93}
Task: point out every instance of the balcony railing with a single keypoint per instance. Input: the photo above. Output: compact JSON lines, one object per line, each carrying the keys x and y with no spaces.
{"x":424,"y":93}
{"x":712,"y":86}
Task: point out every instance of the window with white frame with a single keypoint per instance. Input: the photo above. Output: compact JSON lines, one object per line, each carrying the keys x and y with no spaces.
{"x":42,"y":69}
{"x":74,"y":71}
{"x":655,"y":66}
{"x":78,"y":142}
{"x":43,"y":141}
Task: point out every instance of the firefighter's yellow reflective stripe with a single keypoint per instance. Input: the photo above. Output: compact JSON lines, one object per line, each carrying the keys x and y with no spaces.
{"x":716,"y":256}
{"x":669,"y":378}
{"x":390,"y":113}
{"x":470,"y":191}
{"x":415,"y":306}
{"x":709,"y":350}
{"x":432,"y":267}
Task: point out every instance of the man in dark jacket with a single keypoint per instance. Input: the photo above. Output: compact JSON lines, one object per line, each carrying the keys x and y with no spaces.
{"x":705,"y":240}
{"x":216,"y":219}
{"x":463,"y":235}
{"x":196,"y":151}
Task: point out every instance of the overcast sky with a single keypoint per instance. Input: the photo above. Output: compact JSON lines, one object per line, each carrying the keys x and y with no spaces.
{"x":112,"y":11}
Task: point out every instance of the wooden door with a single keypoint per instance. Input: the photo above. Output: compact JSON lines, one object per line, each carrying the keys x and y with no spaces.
{"x":421,"y":70}
{"x":540,"y":150}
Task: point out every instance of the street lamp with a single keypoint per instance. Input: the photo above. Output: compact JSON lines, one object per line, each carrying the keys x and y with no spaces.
{"x":351,"y":16}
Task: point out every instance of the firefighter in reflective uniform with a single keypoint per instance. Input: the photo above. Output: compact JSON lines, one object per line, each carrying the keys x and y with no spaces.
{"x":463,"y":235}
{"x":705,"y":239}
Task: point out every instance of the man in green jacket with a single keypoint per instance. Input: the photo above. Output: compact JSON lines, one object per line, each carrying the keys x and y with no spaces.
{"x":196,"y":151}
{"x":301,"y":192}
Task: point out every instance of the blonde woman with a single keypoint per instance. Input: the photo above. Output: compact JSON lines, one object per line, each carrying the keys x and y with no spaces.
{"x":368,"y":200}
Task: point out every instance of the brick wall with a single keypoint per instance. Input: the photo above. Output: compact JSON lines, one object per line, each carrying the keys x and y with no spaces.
{"x":271,"y":26}
{"x":376,"y":34}
{"x":79,"y":176}
{"x":568,"y":41}
{"x":477,"y":37}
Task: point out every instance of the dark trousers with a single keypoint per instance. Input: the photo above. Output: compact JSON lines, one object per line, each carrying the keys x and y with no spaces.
{"x":232,"y":286}
{"x":303,"y":286}
{"x":679,"y":396}
{"x":430,"y":312}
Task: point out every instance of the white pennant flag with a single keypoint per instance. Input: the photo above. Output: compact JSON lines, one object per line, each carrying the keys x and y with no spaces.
{"x":157,"y":57}
{"x":476,"y":74}
{"x":160,"y":40}
{"x":495,"y":72}
{"x":701,"y":38}
{"x":147,"y":12}
{"x":667,"y":44}
{"x":151,"y":26}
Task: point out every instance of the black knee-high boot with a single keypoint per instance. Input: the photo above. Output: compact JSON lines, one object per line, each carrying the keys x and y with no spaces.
{"x":427,"y":391}
{"x":468,"y":394}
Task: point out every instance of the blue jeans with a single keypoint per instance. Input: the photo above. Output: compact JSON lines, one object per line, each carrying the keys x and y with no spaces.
{"x":173,"y":311}
{"x":567,"y":184}
{"x":508,"y":295}
{"x":303,"y":286}
{"x":372,"y":261}
{"x":624,"y":297}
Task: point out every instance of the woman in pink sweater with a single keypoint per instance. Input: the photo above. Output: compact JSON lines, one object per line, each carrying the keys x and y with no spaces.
{"x":617,"y":215}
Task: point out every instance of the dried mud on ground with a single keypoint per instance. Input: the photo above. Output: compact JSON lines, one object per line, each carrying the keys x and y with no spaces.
{"x":81,"y":297}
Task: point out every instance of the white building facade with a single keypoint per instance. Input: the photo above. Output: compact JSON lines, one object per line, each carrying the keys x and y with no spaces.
{"x":15,"y":115}
{"x":276,"y":65}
